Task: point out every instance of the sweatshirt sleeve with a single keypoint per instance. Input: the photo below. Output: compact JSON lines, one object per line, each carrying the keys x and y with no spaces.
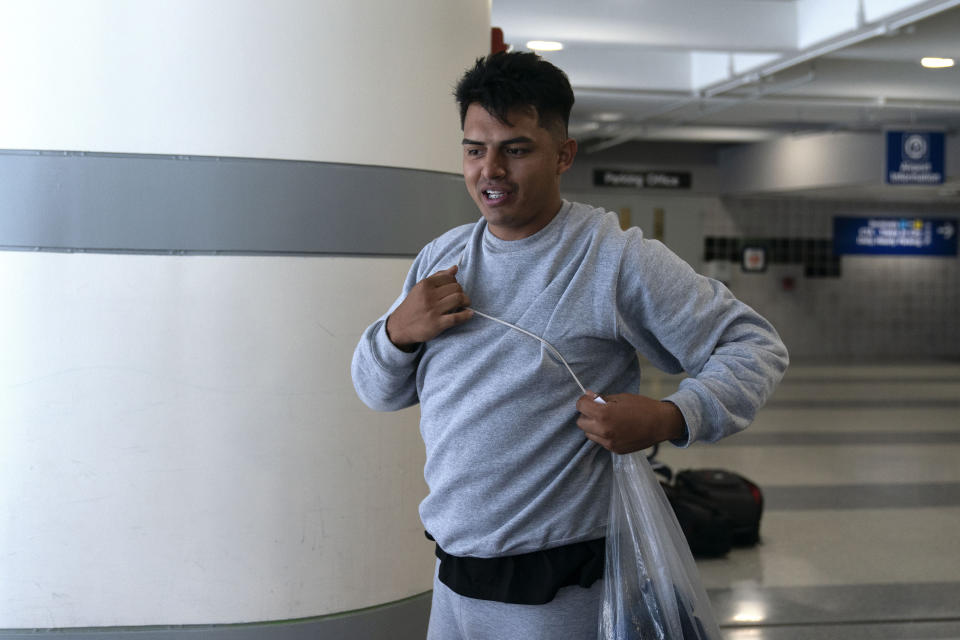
{"x":384,"y":376}
{"x":683,"y":321}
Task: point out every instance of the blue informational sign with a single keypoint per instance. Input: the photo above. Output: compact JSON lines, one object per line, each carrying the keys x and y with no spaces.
{"x":914,"y":157}
{"x":895,"y":236}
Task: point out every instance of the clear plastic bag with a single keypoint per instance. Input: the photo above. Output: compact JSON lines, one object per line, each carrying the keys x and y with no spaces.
{"x":651,"y":588}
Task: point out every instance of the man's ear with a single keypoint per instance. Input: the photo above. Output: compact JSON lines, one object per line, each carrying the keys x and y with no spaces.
{"x":568,"y":151}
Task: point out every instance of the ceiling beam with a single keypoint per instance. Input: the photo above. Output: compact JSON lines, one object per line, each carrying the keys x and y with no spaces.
{"x":864,"y":31}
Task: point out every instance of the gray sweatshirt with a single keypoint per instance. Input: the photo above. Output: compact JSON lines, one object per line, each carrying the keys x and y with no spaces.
{"x":507,"y":468}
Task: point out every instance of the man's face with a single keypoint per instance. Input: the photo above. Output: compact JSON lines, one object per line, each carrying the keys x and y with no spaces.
{"x":513,"y":171}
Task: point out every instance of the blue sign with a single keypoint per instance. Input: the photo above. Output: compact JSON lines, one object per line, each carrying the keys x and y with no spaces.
{"x":915,"y":157}
{"x":895,"y":236}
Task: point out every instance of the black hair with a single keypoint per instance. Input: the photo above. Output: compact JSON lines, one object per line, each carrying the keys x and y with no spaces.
{"x":504,"y":81}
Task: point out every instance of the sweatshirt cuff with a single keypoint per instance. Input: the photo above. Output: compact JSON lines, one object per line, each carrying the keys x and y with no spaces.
{"x":387,"y":354}
{"x":689,"y":404}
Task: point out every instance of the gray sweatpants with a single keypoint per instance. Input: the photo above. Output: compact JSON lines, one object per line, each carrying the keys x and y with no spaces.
{"x":572,"y":615}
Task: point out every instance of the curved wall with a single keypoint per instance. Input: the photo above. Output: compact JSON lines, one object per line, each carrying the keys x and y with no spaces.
{"x":364,"y":82}
{"x":182,"y":442}
{"x":184,"y":445}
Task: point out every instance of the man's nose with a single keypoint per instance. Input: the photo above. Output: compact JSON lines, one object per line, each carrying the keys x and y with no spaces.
{"x":493,"y":166}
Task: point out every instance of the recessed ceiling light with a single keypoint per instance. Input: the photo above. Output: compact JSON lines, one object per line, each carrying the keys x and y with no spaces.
{"x":583,"y":127}
{"x":937,"y":63}
{"x":544,"y":45}
{"x":608,"y":116}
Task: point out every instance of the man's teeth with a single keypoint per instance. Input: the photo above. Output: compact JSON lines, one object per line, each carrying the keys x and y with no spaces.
{"x":495,"y":195}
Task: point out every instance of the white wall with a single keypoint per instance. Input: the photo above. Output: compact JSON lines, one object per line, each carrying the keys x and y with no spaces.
{"x":803,"y":162}
{"x":182,"y":442}
{"x":326,"y":80}
{"x":814,"y":162}
{"x":880,"y":307}
{"x":684,"y":209}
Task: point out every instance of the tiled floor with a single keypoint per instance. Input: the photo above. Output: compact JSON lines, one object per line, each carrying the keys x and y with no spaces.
{"x":860,"y":467}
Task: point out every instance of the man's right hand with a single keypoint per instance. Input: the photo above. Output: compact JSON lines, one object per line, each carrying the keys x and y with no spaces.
{"x":433,"y":305}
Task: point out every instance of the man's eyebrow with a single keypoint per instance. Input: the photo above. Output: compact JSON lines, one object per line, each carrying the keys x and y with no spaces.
{"x":517,"y":140}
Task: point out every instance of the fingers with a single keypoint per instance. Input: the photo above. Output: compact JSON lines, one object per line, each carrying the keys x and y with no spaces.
{"x":592,"y":419}
{"x":453,"y":319}
{"x":628,"y":422}
{"x":602,"y":423}
{"x":446,"y":290}
{"x":603,"y":442}
{"x":587,"y":405}
{"x":598,"y":432}
{"x":443,"y":276}
{"x":446,"y":294}
{"x":433,"y":305}
{"x":451,"y":296}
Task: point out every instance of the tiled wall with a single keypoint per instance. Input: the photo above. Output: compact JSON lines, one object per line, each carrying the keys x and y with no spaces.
{"x":874,"y":308}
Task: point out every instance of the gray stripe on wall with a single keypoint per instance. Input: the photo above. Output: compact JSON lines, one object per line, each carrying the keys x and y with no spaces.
{"x":832,"y":438}
{"x":866,"y":403}
{"x":403,"y":620}
{"x":863,"y":496}
{"x":154,"y":203}
{"x":830,"y":381}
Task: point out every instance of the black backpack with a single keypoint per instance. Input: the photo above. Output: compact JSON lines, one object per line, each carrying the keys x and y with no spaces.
{"x":717,"y":509}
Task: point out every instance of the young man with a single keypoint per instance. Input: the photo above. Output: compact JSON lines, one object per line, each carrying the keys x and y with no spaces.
{"x":516,"y":465}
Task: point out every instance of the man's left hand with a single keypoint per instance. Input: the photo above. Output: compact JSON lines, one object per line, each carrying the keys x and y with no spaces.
{"x":629,"y":422}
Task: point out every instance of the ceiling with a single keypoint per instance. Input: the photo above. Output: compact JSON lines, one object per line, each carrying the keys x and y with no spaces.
{"x":737,"y":71}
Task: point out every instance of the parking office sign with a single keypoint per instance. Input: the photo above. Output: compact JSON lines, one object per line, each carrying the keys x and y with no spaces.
{"x":914,"y":157}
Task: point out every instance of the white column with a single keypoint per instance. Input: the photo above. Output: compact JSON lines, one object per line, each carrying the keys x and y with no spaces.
{"x":180,"y":436}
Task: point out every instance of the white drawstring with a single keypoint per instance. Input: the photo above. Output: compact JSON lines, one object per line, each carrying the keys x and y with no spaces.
{"x":549,"y":346}
{"x":535,"y":337}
